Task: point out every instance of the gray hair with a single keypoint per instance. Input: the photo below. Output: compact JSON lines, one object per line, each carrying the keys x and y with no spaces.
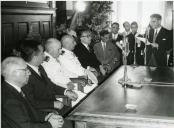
{"x":8,"y":64}
{"x":49,"y":42}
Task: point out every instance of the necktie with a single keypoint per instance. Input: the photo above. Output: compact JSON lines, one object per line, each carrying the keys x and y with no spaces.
{"x":22,"y":94}
{"x":40,"y":72}
{"x":104,"y":46}
{"x":155,"y":35}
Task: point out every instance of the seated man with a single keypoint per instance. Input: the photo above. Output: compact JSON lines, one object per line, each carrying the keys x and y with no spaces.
{"x":70,"y":62}
{"x":40,"y":90}
{"x":58,"y":75}
{"x":85,"y":54}
{"x":17,"y":112}
{"x":106,"y":52}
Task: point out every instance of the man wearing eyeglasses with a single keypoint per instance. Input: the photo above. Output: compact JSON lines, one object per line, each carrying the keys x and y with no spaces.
{"x":17,"y":112}
{"x":86,"y":54}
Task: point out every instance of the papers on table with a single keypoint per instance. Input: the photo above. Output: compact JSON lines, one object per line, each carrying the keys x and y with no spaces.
{"x":91,"y":76}
{"x":143,"y":40}
{"x":81,"y":95}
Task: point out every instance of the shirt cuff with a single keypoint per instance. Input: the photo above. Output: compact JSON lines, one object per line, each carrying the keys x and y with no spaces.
{"x":65,"y":91}
{"x":88,"y":67}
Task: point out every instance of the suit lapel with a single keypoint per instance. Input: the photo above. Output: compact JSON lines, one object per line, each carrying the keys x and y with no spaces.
{"x":34,"y":73}
{"x":14,"y":91}
{"x":159,"y":35}
{"x":31,"y":111}
{"x":85,"y":49}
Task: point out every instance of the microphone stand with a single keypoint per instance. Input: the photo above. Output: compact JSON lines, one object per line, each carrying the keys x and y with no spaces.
{"x":135,"y":64}
{"x":145,"y":49}
{"x":123,"y":81}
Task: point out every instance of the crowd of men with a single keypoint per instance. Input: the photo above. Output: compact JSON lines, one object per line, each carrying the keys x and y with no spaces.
{"x":35,"y":80}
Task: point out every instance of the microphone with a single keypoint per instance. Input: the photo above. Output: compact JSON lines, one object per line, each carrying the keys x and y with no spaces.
{"x":147,"y":31}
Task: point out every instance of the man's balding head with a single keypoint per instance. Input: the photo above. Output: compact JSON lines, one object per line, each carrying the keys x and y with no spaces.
{"x":68,"y":42}
{"x":14,"y":69}
{"x":53,"y":47}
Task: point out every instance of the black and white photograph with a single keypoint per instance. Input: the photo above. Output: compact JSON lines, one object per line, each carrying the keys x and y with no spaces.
{"x":87,"y":64}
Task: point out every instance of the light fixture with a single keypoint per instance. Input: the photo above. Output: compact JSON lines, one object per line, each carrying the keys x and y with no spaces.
{"x":80,"y":6}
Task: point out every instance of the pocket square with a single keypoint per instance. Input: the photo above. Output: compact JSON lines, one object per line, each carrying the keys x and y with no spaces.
{"x":164,"y":39}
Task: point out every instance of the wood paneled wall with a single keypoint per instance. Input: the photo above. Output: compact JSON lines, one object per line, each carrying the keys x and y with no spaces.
{"x":17,"y":22}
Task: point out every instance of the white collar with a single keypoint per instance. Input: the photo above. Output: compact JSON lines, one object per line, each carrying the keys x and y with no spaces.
{"x":158,"y":29}
{"x":67,"y":51}
{"x":47,"y":54}
{"x":127,"y":32}
{"x":15,"y":86}
{"x":36,"y":69}
{"x":85,"y":45}
{"x":114,"y":34}
{"x":103,"y":42}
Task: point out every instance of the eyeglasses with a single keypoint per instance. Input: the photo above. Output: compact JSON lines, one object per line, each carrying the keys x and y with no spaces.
{"x":25,"y":70}
{"x":86,"y":36}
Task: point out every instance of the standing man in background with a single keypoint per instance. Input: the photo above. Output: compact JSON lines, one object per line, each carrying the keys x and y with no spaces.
{"x":127,"y":28}
{"x":136,"y":47}
{"x":157,"y":47}
{"x":116,"y":39}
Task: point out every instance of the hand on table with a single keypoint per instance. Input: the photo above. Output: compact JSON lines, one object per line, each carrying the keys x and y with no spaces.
{"x":72,"y":95}
{"x":70,"y":86}
{"x":55,"y":120}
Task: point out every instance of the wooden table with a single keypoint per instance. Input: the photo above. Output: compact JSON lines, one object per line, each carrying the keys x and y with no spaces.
{"x":105,"y":106}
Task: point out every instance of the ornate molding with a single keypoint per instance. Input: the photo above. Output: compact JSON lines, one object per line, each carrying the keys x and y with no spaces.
{"x":124,"y":120}
{"x":27,"y":11}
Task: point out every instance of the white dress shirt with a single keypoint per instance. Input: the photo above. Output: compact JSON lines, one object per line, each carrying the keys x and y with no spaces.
{"x":114,"y":36}
{"x":55,"y":71}
{"x":71,"y":63}
{"x":87,"y":47}
{"x":156,"y":31}
{"x":36,"y":69}
{"x":126,"y":33}
{"x":103,"y":45}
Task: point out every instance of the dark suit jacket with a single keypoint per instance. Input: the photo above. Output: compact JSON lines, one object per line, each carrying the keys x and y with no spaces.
{"x":163,"y":40}
{"x":119,"y":38}
{"x":86,"y":58}
{"x":17,"y":112}
{"x":40,"y":90}
{"x":108,"y":55}
{"x":119,"y":51}
{"x":139,"y":50}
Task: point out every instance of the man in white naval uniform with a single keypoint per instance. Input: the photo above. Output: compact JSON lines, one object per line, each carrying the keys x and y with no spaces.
{"x":58,"y":75}
{"x":69,"y":61}
{"x":54,"y":70}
